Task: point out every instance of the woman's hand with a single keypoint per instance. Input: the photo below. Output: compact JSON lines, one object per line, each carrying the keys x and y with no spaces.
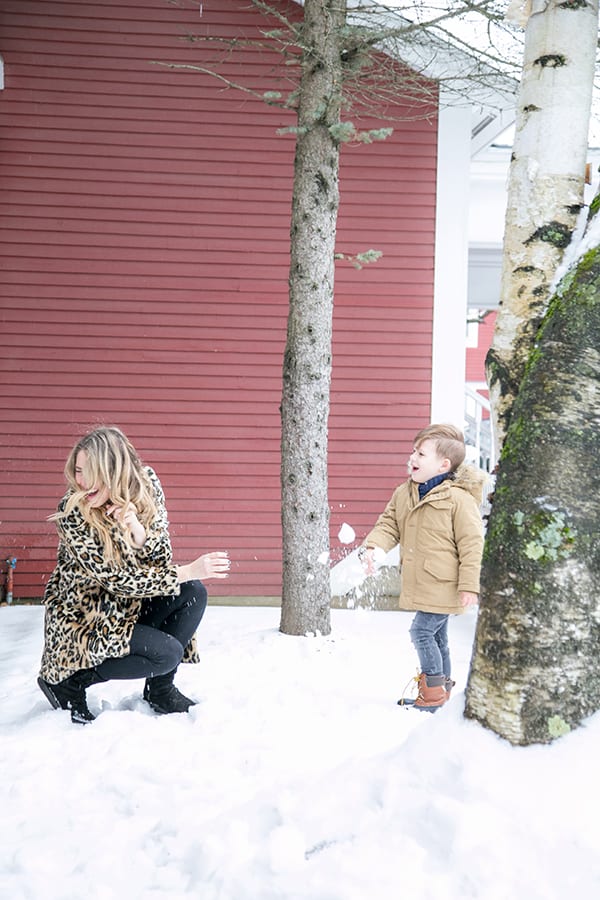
{"x":127,"y":518}
{"x":209,"y":565}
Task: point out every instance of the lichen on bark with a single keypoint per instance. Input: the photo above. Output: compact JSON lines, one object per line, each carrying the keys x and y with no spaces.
{"x":536,"y":650}
{"x":546,"y":181}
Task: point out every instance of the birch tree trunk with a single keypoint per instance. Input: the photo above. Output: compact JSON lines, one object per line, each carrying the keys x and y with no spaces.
{"x":306,"y":593}
{"x":545,"y":191}
{"x":536,"y":667}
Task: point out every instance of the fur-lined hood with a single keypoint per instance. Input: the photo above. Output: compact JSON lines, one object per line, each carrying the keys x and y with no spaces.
{"x":471,"y":479}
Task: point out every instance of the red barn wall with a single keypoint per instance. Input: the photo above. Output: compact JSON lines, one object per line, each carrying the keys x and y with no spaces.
{"x":144,"y":252}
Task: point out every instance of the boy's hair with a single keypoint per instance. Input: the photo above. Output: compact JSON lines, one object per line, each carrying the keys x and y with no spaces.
{"x":449,"y":442}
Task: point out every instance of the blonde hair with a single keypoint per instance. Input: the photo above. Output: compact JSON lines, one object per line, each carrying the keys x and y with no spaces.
{"x":449,"y":443}
{"x":112,"y":462}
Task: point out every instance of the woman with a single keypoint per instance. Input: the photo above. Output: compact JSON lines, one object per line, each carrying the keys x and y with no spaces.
{"x":116,"y":606}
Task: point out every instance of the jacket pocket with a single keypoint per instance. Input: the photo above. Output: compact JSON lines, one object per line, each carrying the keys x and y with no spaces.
{"x":442,"y":568}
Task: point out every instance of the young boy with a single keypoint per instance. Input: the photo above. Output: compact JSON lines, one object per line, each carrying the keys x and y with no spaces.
{"x":435,"y":517}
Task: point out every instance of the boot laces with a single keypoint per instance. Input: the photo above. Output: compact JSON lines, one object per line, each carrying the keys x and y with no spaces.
{"x":413,"y":685}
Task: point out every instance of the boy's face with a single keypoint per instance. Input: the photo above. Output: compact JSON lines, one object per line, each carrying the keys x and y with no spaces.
{"x":425,"y":463}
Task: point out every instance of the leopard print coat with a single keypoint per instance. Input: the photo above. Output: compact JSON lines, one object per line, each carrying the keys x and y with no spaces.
{"x":92,"y":605}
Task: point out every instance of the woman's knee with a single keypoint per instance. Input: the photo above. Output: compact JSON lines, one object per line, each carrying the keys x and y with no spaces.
{"x":193,"y":593}
{"x":170,"y":654}
{"x":163,"y":650}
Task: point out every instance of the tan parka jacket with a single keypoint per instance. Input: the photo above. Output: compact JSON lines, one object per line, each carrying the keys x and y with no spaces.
{"x":440,"y":537}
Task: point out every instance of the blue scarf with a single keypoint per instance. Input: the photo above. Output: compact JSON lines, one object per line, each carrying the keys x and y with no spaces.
{"x":428,"y":485}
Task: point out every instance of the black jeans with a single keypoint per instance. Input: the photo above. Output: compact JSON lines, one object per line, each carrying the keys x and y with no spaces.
{"x":164,"y":628}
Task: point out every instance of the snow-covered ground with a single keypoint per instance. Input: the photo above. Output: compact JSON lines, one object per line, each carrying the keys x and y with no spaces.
{"x":295,"y":776}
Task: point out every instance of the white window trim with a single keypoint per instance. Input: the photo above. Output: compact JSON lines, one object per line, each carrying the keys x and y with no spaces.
{"x":451,"y":266}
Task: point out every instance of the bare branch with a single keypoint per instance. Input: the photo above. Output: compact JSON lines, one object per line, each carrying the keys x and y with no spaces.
{"x":394,"y":60}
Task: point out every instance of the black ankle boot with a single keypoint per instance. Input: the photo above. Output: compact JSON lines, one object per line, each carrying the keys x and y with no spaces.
{"x":163,"y":696}
{"x":70,"y":694}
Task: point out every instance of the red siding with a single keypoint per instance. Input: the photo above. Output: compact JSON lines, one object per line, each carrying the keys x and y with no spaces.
{"x":476,"y":355}
{"x":145,"y":246}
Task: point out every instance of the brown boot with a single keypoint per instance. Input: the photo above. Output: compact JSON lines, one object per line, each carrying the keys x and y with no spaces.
{"x":449,"y":685}
{"x":432,"y":692}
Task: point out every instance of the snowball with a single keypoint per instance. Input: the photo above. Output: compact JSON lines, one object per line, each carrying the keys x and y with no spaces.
{"x":346,"y":534}
{"x":379,"y":556}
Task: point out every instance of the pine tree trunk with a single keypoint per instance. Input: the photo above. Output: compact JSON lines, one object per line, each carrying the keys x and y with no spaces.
{"x":306,"y":593}
{"x":545,"y":190}
{"x":536,"y":664}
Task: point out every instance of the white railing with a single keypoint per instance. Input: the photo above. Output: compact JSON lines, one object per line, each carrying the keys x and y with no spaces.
{"x":478,"y":432}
